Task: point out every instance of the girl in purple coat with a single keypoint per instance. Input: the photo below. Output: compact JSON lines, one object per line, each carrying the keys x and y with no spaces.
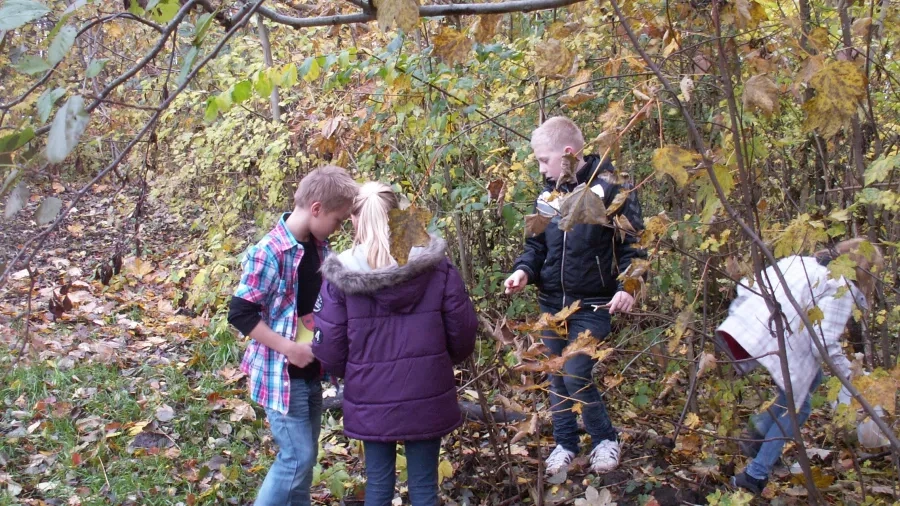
{"x":394,"y":333}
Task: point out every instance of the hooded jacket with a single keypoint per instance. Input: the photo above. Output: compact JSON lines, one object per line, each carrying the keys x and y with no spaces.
{"x":394,"y":335}
{"x":582,"y":264}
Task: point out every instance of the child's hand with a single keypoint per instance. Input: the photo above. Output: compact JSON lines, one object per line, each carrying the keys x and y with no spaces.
{"x":621,"y":303}
{"x":516,"y":282}
{"x":299,"y":354}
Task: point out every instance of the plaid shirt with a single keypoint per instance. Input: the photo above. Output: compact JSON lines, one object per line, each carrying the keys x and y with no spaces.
{"x":749,"y":323}
{"x":270,"y":279}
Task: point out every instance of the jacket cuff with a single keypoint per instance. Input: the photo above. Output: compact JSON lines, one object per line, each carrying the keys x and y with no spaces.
{"x":531,"y":277}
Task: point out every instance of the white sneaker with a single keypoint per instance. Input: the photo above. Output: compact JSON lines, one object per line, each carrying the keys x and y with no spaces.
{"x":558,"y":461}
{"x":605,"y":456}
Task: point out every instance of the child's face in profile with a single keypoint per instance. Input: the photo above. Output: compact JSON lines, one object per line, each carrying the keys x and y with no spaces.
{"x":324,"y":223}
{"x":549,"y":158}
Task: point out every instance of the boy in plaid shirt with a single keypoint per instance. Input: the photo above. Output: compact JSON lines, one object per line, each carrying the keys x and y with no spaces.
{"x":273,"y":305}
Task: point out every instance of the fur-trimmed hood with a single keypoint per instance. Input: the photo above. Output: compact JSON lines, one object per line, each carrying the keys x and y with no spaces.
{"x":349,"y":272}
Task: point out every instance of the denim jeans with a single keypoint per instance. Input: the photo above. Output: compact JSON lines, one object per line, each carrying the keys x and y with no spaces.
{"x":575,"y":383}
{"x":765,"y":424}
{"x":421,"y":468}
{"x":297,"y":435}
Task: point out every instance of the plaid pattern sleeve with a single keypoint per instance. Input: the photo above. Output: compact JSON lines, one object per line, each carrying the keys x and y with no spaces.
{"x":260,"y":274}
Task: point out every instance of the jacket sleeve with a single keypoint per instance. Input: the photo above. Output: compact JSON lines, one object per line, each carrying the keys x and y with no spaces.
{"x":532,"y":260}
{"x":330,"y":343}
{"x":836,"y":315}
{"x":460,"y":320}
{"x":627,"y":249}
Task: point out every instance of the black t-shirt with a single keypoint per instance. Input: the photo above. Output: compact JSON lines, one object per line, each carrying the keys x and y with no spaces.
{"x":309,"y":281}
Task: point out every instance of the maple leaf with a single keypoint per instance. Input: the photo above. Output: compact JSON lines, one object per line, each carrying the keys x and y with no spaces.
{"x":881,"y":169}
{"x":673,"y":160}
{"x":452,"y":46}
{"x":840,"y":86}
{"x":403,"y":13}
{"x":553,"y":59}
{"x":486,"y":27}
{"x":568,"y":164}
{"x":408,"y":229}
{"x":842,"y":266}
{"x":761,"y":94}
{"x":801,"y":236}
{"x":582,"y":206}
{"x":535,"y":224}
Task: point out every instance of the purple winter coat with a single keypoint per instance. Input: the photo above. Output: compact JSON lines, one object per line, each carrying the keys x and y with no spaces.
{"x":394,"y":335}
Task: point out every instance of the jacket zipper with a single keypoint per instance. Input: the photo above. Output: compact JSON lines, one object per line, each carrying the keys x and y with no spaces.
{"x":599,"y":269}
{"x":562,"y":270}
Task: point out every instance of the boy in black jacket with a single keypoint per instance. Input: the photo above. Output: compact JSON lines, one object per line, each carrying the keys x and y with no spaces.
{"x":581,"y":264}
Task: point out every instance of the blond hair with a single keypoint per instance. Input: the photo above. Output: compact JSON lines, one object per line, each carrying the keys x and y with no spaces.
{"x":559,"y":132}
{"x":371,"y":208}
{"x":867,"y":264}
{"x":330,"y":185}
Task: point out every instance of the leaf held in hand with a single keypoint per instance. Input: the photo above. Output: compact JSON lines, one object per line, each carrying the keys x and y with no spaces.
{"x":408,"y":230}
{"x":582,"y":206}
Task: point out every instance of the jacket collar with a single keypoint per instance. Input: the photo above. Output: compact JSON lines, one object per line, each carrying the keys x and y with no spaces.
{"x":353,"y":281}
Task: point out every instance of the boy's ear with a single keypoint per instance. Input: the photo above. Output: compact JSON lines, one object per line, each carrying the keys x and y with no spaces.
{"x":315,"y":209}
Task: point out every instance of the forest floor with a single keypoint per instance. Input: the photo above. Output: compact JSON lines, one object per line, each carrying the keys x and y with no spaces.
{"x":116,"y":395}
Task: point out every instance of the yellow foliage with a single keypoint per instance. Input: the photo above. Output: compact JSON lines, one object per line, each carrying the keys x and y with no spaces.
{"x":673,"y":160}
{"x":840,"y":86}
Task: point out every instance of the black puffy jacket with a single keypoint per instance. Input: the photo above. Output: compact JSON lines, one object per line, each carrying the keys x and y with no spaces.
{"x":582,"y":264}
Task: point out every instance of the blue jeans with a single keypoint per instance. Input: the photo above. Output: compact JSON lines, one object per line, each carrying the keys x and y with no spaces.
{"x":421,"y":468}
{"x":765,"y":424}
{"x":297,"y":435}
{"x":576,"y":382}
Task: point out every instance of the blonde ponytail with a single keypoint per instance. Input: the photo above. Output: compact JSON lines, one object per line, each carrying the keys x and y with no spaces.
{"x":371,"y":208}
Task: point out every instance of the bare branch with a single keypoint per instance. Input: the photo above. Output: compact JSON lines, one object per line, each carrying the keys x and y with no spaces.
{"x":425,"y":11}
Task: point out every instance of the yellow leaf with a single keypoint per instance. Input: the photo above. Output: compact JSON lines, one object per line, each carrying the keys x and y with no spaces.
{"x":553,"y":59}
{"x":878,"y":388}
{"x":819,"y":38}
{"x":577,"y":99}
{"x":682,"y":321}
{"x":801,"y":236}
{"x":452,"y":46}
{"x":138,"y":427}
{"x":486,"y":27}
{"x":692,"y":421}
{"x":673,"y":160}
{"x":582,"y":79}
{"x":407,"y":231}
{"x":445,"y":470}
{"x":403,"y":13}
{"x":614,"y":113}
{"x":582,"y":206}
{"x":840,"y":86}
{"x":761,"y":94}
{"x":815,"y":315}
